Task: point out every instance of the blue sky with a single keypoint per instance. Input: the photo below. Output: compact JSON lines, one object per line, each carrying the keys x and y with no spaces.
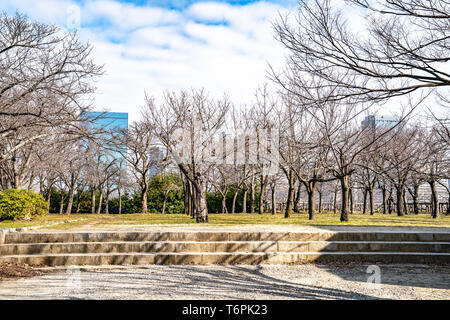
{"x":183,"y":4}
{"x":224,"y":46}
{"x":156,"y":45}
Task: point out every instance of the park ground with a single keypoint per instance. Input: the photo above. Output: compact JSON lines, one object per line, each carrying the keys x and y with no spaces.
{"x":182,"y":282}
{"x":322,"y":219}
{"x":303,"y":281}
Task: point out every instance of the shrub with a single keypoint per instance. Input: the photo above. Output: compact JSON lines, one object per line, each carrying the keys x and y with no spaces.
{"x":18,"y":204}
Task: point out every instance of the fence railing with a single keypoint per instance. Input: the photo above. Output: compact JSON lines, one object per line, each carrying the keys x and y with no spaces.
{"x":424,"y":207}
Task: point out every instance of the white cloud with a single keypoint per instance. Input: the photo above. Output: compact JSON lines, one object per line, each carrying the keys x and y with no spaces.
{"x":213,"y":45}
{"x":125,"y":16}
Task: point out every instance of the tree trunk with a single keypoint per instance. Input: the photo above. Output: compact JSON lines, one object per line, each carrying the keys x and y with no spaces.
{"x":166,"y":193}
{"x":244,"y":201}
{"x":78,"y":204}
{"x":311,"y":190}
{"x":320,"y":202}
{"x":252,"y":195}
{"x":30,"y":183}
{"x":415,"y":198}
{"x":200,"y":208}
{"x":390,"y":201}
{"x":224,"y":202}
{"x":144,"y":192}
{"x":186,"y":195}
{"x":364,"y":201}
{"x":335,"y":201}
{"x":144,"y":208}
{"x":61,"y":203}
{"x":434,"y":200}
{"x":274,"y":199}
{"x":73,"y":182}
{"x":350,"y":199}
{"x":49,"y":195}
{"x":107,"y":202}
{"x":448,"y":204}
{"x":290,"y":196}
{"x":405,"y":203}
{"x":190,"y":200}
{"x":399,"y":194}
{"x":262,"y":194}
{"x":70,"y":201}
{"x":371,"y":201}
{"x":383,"y":195}
{"x":119,"y":188}
{"x":344,"y":198}
{"x":120,"y":201}
{"x":100,"y":202}
{"x":233,"y":205}
{"x":92,"y":200}
{"x":415,"y":204}
{"x":298,"y":198}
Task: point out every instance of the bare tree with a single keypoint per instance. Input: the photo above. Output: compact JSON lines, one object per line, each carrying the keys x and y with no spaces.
{"x":199,"y":120}
{"x":221,"y":178}
{"x":46,"y":81}
{"x":401,"y":48}
{"x":401,"y":156}
{"x":138,"y":146}
{"x":69,"y":171}
{"x":436,"y":164}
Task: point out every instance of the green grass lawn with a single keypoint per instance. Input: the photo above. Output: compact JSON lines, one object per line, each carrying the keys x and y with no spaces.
{"x":322,"y":219}
{"x":48,"y":219}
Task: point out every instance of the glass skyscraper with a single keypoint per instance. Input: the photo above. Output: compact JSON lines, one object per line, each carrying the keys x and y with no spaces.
{"x":110,"y":121}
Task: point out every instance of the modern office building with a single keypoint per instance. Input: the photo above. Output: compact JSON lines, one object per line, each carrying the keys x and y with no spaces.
{"x":109,"y":121}
{"x":442,"y":188}
{"x":379,"y":121}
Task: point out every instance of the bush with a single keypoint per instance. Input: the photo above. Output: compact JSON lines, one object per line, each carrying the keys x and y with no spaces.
{"x":18,"y":204}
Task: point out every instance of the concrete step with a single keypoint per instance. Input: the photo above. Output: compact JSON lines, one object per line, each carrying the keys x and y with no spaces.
{"x":224,"y":258}
{"x":58,"y":237}
{"x":139,"y":247}
{"x":222,"y":246}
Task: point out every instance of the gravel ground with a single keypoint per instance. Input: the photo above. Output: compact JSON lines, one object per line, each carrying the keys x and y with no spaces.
{"x":307,"y":281}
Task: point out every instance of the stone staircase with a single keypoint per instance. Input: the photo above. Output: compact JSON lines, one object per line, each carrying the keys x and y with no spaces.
{"x":138,"y":247}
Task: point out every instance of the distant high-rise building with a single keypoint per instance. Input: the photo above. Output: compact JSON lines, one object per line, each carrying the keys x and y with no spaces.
{"x":441,"y":189}
{"x":109,"y":121}
{"x":377,"y":121}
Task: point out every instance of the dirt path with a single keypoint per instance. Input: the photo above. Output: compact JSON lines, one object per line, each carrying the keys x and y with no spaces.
{"x":235,"y":282}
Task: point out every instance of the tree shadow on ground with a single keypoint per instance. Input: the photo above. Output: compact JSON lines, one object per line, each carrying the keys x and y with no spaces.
{"x":243,"y":280}
{"x":407,"y":275}
{"x":430,"y":275}
{"x":194,"y":282}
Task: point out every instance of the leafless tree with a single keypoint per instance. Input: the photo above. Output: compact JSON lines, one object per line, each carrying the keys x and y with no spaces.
{"x":401,"y":157}
{"x":69,"y":171}
{"x":46,"y":79}
{"x":199,"y":119}
{"x":435,"y":164}
{"x":263,"y":118}
{"x":138,"y":146}
{"x":221,"y":178}
{"x":402,"y":47}
{"x":100,"y":167}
